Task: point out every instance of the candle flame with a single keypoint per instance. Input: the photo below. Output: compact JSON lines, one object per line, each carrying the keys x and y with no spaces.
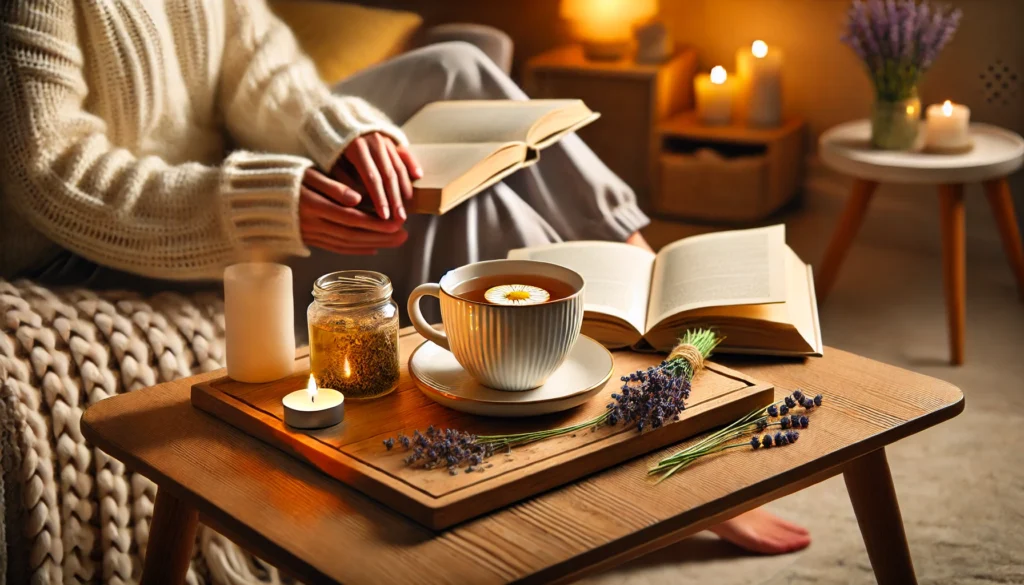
{"x":759,"y":49}
{"x":718,"y":75}
{"x":311,"y":388}
{"x":348,"y":368}
{"x":947,"y":109}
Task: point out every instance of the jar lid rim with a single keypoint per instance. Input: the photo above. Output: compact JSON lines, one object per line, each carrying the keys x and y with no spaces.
{"x":352,"y":287}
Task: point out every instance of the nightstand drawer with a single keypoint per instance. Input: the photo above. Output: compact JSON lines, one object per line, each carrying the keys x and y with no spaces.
{"x":707,"y":186}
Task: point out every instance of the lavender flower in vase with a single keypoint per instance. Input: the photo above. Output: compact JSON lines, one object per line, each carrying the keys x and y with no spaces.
{"x":898,"y":41}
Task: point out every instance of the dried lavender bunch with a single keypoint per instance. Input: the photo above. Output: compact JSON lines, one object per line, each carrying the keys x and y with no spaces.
{"x":648,"y":400}
{"x":898,"y":41}
{"x":442,"y":447}
{"x":763,"y":420}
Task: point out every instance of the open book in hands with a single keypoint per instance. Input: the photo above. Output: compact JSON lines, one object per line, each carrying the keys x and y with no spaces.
{"x":467,"y":146}
{"x":748,"y":285}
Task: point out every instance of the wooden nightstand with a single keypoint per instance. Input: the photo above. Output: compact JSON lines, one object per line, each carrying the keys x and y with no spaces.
{"x":731,"y":174}
{"x":632,"y":98}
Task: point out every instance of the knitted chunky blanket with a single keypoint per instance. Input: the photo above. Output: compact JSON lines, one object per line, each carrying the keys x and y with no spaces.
{"x":70,"y":513}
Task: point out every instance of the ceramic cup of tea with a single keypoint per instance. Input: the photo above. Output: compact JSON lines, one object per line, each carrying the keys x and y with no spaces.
{"x":509,"y":323}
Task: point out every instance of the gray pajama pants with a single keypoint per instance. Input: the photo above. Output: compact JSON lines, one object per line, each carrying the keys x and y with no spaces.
{"x":568,"y":195}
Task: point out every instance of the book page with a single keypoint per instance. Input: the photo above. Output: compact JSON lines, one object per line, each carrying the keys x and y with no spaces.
{"x":741,"y":267}
{"x":453,"y":122}
{"x":462,"y":165}
{"x":617,"y":275}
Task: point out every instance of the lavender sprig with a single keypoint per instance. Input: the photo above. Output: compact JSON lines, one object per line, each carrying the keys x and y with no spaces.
{"x":777,"y":433}
{"x":648,"y":399}
{"x":898,"y":41}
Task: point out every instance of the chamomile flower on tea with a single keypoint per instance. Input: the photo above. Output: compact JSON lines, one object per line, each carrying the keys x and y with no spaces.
{"x":516,"y":294}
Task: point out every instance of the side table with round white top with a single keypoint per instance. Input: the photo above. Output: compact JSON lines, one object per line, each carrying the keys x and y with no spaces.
{"x":997,"y":153}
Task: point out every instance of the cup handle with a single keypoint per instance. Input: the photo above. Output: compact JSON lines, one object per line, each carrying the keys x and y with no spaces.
{"x":416,"y":316}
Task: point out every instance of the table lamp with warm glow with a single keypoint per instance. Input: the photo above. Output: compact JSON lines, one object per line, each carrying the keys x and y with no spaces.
{"x":606,"y":26}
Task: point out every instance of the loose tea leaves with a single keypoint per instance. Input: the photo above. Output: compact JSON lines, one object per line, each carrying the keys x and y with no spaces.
{"x":356,"y":356}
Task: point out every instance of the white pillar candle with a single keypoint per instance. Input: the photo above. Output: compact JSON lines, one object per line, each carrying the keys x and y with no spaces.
{"x":714,"y":94}
{"x":759,"y":70}
{"x":313,"y":407}
{"x":948,"y":127}
{"x":259,"y":319}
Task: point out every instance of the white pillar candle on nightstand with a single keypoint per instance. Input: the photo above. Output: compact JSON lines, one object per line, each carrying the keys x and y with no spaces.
{"x":949,"y":127}
{"x":759,"y":70}
{"x":259,"y":318}
{"x":714,"y":93}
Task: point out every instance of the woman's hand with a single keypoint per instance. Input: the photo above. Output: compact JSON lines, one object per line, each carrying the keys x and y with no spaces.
{"x":386,"y":169}
{"x":328,"y":219}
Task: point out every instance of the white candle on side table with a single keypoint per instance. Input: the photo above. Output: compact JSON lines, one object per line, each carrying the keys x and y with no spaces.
{"x":313,"y":407}
{"x":259,"y":318}
{"x":714,"y":94}
{"x":759,"y":70}
{"x":949,"y":128}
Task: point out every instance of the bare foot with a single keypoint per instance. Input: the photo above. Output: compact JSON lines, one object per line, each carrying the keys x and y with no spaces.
{"x":762,"y":532}
{"x":638,"y":240}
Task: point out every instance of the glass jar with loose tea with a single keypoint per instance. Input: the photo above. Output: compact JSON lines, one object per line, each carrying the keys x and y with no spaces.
{"x":353,"y":334}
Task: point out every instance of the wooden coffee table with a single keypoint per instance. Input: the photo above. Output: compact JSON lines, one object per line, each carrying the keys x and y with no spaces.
{"x":319,"y":530}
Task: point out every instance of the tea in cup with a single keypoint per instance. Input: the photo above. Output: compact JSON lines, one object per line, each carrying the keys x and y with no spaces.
{"x":509,"y":323}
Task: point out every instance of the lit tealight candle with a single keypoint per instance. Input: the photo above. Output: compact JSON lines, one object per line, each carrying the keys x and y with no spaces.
{"x":313,"y":408}
{"x":948,"y":128}
{"x":759,"y":70}
{"x":714,"y":96}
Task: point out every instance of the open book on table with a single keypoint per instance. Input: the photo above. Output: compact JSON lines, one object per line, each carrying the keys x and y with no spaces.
{"x":467,"y":146}
{"x":748,"y":285}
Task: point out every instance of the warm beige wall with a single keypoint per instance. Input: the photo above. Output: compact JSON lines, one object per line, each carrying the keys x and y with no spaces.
{"x":822,"y":79}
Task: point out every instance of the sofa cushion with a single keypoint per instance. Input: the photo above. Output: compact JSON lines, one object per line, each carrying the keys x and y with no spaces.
{"x":344,"y":38}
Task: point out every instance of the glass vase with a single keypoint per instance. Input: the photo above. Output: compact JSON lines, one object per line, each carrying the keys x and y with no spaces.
{"x":895,"y":125}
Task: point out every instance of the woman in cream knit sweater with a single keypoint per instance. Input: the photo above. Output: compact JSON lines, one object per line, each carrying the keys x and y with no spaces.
{"x":167,"y":139}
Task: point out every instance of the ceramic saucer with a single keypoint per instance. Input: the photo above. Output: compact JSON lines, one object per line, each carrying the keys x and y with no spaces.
{"x":583,"y":374}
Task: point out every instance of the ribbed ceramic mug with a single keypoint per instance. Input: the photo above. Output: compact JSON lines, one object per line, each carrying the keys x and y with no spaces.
{"x":504,"y":347}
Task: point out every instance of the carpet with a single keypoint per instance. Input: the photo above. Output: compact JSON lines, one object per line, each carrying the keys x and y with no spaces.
{"x":960,"y":484}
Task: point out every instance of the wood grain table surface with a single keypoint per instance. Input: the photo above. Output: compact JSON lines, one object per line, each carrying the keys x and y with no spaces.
{"x":319,"y":530}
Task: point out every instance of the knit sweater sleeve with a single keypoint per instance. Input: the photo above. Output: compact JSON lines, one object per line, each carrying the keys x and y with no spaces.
{"x":60,"y":171}
{"x":273,"y":98}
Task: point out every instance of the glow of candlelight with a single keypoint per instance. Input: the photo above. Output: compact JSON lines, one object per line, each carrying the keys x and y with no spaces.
{"x":348,"y":368}
{"x":759,"y":49}
{"x":947,"y":108}
{"x":311,"y":388}
{"x":718,"y":75}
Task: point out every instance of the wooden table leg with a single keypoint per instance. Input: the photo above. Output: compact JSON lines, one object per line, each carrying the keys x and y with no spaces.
{"x":171,"y":536}
{"x":1001,"y":201}
{"x":843,"y":235}
{"x":869,"y":483}
{"x":954,"y":267}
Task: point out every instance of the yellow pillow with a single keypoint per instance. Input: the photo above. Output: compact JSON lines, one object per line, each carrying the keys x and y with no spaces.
{"x":344,"y":38}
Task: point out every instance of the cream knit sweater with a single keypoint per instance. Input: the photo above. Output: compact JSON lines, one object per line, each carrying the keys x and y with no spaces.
{"x":115,"y":119}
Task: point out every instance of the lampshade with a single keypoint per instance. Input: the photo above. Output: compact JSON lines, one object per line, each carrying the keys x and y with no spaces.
{"x":605,"y":26}
{"x":628,"y":11}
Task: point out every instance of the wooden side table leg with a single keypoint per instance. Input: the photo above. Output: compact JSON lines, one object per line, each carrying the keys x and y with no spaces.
{"x":869,"y":483}
{"x":171,"y":536}
{"x":843,"y":235}
{"x":999,"y":198}
{"x":954,"y":267}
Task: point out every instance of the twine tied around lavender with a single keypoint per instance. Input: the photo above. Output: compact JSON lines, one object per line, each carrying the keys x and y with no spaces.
{"x":647,"y":399}
{"x":691,"y":354}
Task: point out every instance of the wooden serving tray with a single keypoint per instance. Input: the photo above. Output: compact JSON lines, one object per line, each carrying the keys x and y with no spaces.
{"x":353,"y":452}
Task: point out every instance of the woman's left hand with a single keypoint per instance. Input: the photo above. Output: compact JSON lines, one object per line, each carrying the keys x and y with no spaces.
{"x":386,"y":170}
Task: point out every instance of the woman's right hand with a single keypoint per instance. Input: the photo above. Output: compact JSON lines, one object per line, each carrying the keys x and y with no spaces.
{"x":329,"y":220}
